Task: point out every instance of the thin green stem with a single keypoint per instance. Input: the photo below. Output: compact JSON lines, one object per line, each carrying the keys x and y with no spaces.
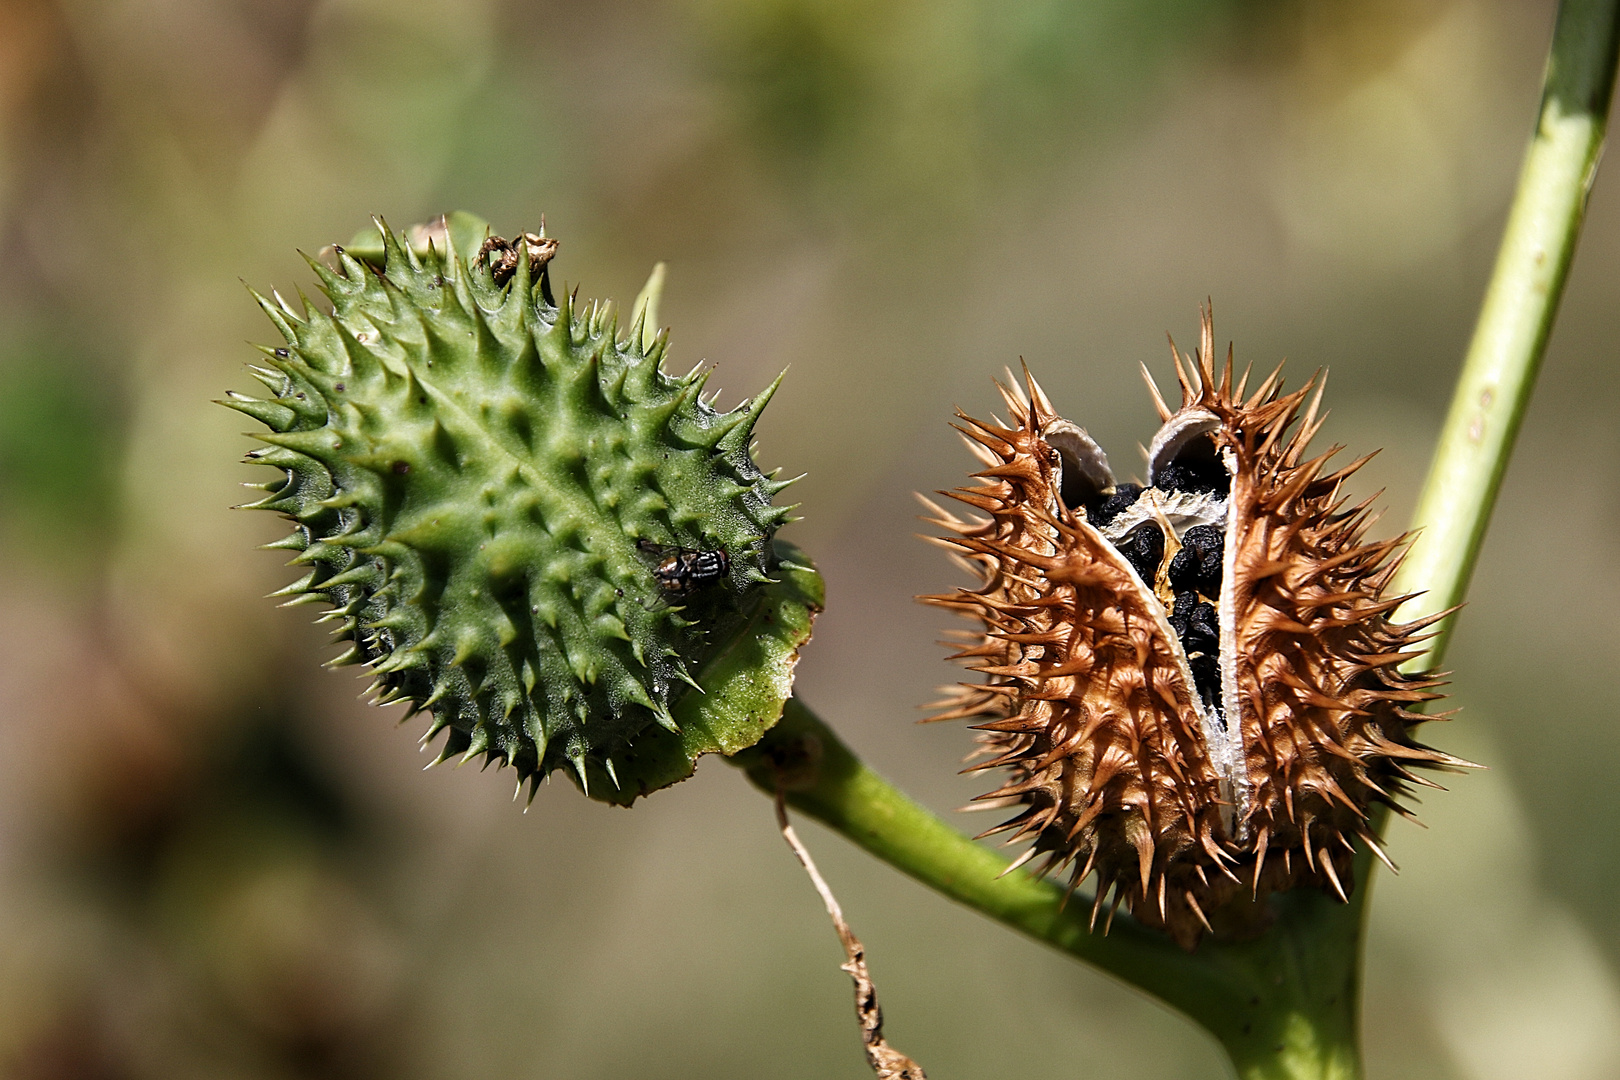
{"x":824,"y":779}
{"x":1282,"y":1005}
{"x":1517,"y":316}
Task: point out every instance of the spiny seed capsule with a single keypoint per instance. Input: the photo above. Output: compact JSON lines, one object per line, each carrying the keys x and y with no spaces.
{"x":468,"y":468}
{"x":1194,"y":684}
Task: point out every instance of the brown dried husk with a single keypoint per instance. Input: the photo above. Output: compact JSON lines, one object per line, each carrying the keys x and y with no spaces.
{"x":1087,"y":700}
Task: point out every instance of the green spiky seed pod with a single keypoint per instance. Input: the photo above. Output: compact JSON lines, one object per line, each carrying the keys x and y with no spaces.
{"x":520,"y":522}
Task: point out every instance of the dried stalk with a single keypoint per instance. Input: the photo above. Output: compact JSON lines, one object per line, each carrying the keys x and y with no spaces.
{"x":887,"y":1062}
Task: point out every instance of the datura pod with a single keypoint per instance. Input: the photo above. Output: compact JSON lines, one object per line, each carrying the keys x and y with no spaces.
{"x":1195,"y":684}
{"x":519,"y":521}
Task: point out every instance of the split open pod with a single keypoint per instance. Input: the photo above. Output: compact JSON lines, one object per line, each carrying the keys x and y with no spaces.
{"x":1193,"y":685}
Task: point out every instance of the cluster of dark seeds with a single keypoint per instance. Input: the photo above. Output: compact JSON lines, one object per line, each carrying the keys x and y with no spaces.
{"x":1107,"y":509}
{"x":1194,"y":477}
{"x":1195,"y":570}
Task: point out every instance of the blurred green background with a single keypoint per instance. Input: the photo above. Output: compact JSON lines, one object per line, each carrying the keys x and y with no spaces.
{"x":216,"y":862}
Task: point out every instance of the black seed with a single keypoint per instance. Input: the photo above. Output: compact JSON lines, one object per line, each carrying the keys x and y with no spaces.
{"x":401,"y":467}
{"x":1183,"y":571}
{"x":1103,"y":511}
{"x":1181,"y":615}
{"x":1198,"y":564}
{"x":1206,"y":673}
{"x":1143,"y":546}
{"x":1203,"y":630}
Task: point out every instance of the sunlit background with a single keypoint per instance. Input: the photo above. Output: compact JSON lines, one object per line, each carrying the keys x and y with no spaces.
{"x":215,"y":861}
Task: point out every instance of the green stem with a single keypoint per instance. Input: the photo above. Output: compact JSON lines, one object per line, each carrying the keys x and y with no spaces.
{"x":1510,"y":338}
{"x":1285,"y":1006}
{"x":1517,"y":316}
{"x":1282,"y":1005}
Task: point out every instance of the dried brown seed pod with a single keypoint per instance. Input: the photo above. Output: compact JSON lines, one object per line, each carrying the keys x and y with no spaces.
{"x":1195,"y":685}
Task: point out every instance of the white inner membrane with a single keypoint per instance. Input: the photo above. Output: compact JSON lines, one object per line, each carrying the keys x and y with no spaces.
{"x":1235,"y":769}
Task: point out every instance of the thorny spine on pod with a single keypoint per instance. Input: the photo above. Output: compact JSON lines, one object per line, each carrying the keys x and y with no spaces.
{"x":1193,"y":684}
{"x":471,"y":470}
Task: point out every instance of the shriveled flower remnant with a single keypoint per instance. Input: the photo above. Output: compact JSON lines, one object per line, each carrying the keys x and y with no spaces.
{"x":1194,"y":685}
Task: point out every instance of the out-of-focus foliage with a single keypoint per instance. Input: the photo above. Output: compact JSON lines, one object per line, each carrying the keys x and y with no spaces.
{"x":59,"y":439}
{"x":910,"y":107}
{"x":214,"y":861}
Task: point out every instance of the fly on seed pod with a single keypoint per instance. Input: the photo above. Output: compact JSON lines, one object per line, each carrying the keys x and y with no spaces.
{"x":1195,"y":683}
